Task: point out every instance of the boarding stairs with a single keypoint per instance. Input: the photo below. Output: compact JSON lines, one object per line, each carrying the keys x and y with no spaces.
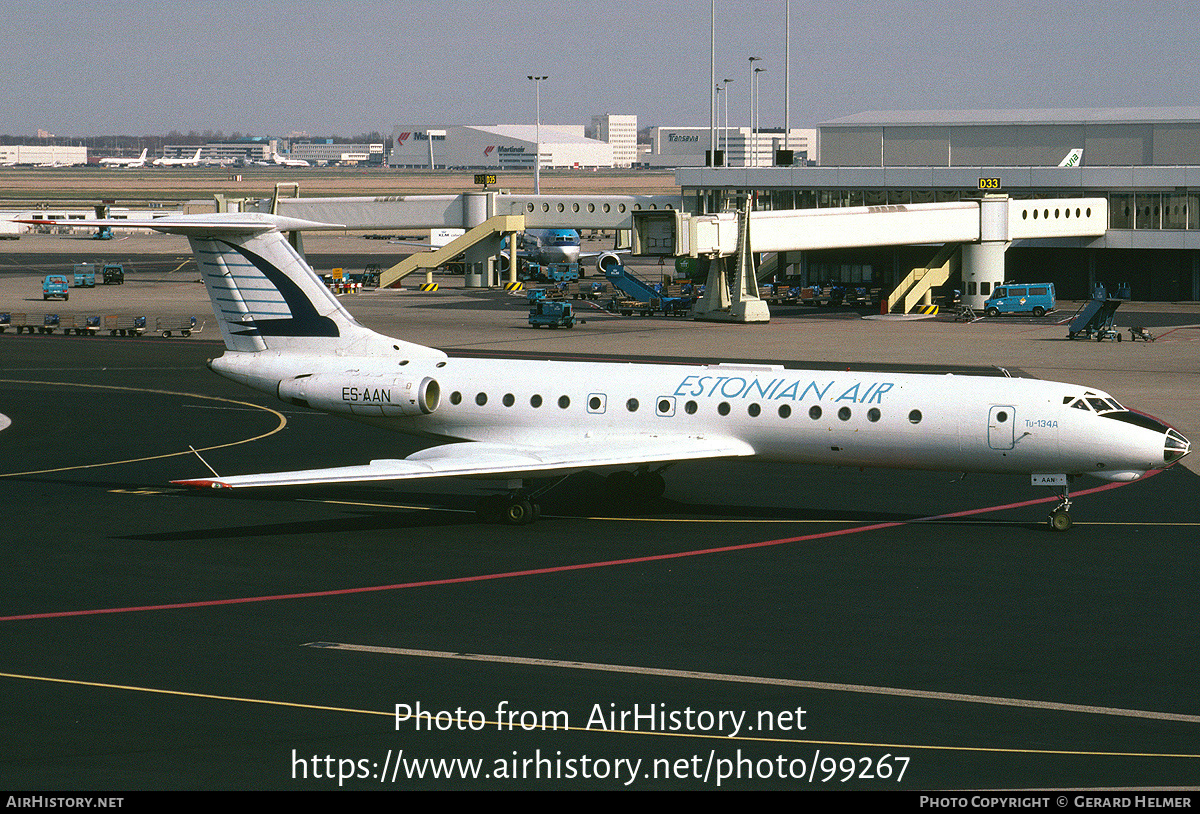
{"x":497,"y":225}
{"x":915,"y":288}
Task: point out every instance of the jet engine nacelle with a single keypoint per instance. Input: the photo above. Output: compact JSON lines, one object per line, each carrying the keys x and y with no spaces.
{"x":363,"y":395}
{"x":607,"y":260}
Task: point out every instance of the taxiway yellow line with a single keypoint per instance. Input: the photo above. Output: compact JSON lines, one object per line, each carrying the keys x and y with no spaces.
{"x":598,"y":730}
{"x":276,"y":413}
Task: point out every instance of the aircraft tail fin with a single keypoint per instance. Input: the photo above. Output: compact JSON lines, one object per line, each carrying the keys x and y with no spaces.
{"x":1072,"y":159}
{"x":264,"y":294}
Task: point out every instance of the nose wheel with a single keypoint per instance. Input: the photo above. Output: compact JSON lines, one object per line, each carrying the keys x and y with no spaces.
{"x":1060,"y":518}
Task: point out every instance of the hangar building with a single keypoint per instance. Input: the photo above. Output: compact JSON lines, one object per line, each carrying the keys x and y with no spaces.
{"x":495,"y":147}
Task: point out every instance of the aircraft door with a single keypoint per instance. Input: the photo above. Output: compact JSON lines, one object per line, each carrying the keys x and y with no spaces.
{"x":1001,"y":427}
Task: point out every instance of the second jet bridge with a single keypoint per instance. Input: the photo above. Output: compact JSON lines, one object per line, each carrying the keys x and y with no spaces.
{"x":984,"y":227}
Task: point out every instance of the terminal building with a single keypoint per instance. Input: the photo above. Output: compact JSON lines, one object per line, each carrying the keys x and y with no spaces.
{"x":496,"y":147}
{"x":1145,"y":162}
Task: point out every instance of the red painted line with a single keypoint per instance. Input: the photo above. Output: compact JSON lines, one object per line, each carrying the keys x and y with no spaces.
{"x":555,"y":569}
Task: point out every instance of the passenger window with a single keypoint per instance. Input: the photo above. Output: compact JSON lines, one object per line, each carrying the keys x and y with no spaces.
{"x":873,"y":414}
{"x":456,"y":397}
{"x":814,"y":412}
{"x":509,"y":399}
{"x":690,"y":408}
{"x":481,"y":399}
{"x":844,"y":414}
{"x":784,"y":410}
{"x":984,"y":288}
{"x":632,"y":405}
{"x":564,"y":402}
{"x":1016,"y":292}
{"x":754,"y":410}
{"x":535,"y":401}
{"x":915,"y":417}
{"x":723,"y":408}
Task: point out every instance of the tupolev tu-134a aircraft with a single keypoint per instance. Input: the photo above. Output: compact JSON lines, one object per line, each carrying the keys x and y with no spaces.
{"x":288,"y":336}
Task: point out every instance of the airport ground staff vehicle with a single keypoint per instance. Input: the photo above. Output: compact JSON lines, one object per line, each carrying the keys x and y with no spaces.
{"x":1031,"y":298}
{"x":113,"y":274}
{"x":55,"y":285}
{"x":551,"y":314}
{"x":85,"y":275}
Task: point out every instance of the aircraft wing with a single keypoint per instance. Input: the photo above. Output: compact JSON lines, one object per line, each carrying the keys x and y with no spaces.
{"x":476,"y":459}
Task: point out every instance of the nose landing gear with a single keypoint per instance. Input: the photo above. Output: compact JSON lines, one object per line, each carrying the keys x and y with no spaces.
{"x":1060,"y":518}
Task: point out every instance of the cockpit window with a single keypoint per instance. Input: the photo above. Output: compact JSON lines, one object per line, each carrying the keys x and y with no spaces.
{"x":1116,"y":405}
{"x":1099,"y":405}
{"x":1080,"y":404}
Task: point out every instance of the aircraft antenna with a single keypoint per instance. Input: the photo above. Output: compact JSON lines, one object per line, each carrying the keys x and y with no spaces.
{"x":210,"y":469}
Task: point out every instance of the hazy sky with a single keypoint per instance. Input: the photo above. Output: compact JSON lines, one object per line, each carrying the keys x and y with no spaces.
{"x":329,"y":69}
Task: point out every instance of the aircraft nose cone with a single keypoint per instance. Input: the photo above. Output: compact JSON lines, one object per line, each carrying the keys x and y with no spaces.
{"x":1175,"y":446}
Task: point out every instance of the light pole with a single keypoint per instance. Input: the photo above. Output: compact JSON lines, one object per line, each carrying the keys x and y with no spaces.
{"x":750,"y":155}
{"x":537,"y":158}
{"x":757,"y":96}
{"x":727,"y":83}
{"x":787,"y":73}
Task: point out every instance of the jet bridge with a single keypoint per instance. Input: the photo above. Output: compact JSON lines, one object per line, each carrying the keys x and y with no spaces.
{"x":985,"y":228}
{"x":470,"y":211}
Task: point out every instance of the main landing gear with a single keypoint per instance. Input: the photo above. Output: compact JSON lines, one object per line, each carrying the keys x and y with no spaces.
{"x":1060,"y":518}
{"x":513,"y":509}
{"x":519,"y":506}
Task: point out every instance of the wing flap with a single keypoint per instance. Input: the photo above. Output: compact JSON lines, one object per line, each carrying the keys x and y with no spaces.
{"x":480,"y":460}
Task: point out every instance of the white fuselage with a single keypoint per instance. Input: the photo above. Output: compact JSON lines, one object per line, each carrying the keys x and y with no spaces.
{"x":896,"y":420}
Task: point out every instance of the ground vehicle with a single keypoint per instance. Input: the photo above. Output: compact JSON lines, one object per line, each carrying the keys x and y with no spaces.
{"x":113,"y":273}
{"x":1027,"y":298}
{"x":85,"y":275}
{"x":551,"y":314}
{"x":55,"y":285}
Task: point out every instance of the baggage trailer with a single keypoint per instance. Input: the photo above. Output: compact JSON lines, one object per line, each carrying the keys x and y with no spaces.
{"x":124,"y":326}
{"x":79,"y":325}
{"x":184,"y":326}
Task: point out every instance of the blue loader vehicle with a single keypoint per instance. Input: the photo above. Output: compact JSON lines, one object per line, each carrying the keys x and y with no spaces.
{"x":552,"y":314}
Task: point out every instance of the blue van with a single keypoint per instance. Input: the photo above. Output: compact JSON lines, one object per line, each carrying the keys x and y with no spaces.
{"x":1023,"y":298}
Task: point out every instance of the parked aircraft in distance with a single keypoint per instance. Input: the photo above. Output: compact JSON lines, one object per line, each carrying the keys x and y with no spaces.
{"x":289,"y":162}
{"x":1072,"y":159}
{"x":545,"y":246}
{"x":194,"y":161}
{"x":288,"y":336}
{"x":128,"y":163}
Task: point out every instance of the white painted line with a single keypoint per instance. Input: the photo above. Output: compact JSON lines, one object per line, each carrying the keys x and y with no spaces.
{"x":777,"y":682}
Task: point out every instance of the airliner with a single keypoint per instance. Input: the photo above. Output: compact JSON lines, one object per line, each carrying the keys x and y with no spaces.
{"x":289,"y":162}
{"x":515,"y":420}
{"x":194,"y":161}
{"x":545,"y":246}
{"x":129,"y":163}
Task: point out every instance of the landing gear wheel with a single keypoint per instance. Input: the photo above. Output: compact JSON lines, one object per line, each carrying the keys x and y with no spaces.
{"x":649,"y":485}
{"x":1060,"y":520}
{"x":518,"y":512}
